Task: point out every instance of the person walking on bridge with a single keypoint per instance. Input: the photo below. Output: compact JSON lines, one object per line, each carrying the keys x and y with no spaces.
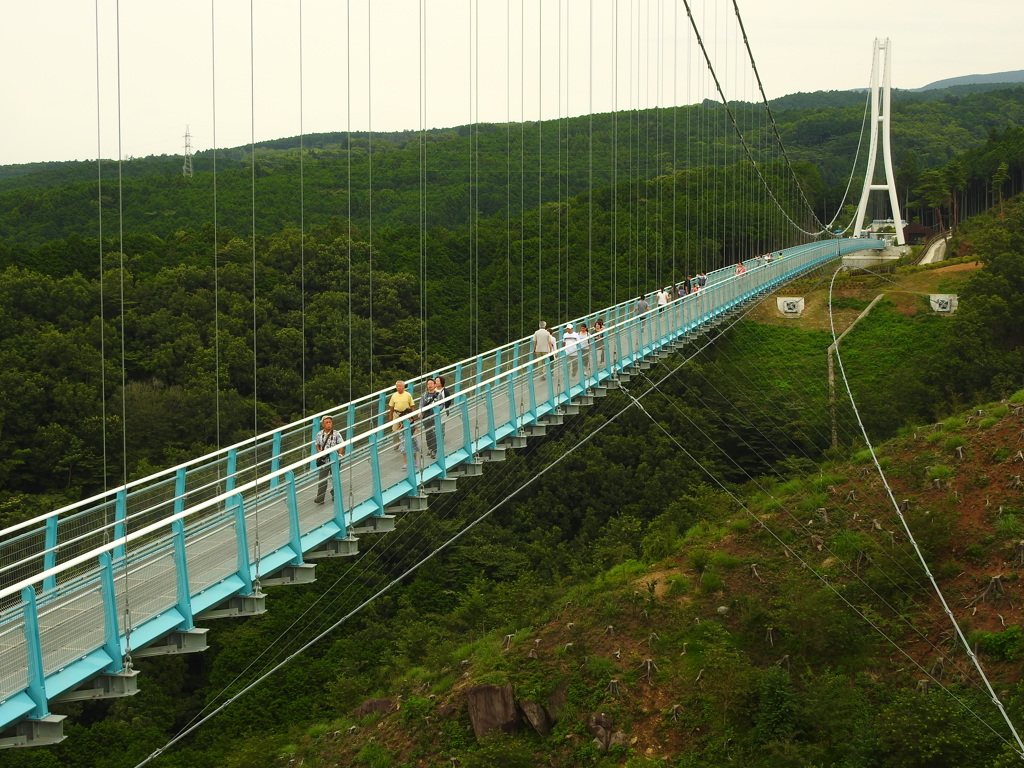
{"x":641,"y":308}
{"x":326,"y":438}
{"x":600,"y":340}
{"x":399,"y":404}
{"x":543,"y":344}
{"x":571,"y":340}
{"x":428,"y":408}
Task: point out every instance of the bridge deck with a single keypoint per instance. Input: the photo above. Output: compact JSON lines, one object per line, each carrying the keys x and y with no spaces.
{"x":162,"y":550}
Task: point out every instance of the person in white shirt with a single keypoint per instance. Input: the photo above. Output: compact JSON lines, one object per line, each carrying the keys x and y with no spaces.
{"x":585,"y":346}
{"x":571,"y":340}
{"x":662,"y":298}
{"x":543,"y":344}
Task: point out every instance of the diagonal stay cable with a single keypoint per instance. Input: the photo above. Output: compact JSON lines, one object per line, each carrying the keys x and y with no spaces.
{"x":924,"y":564}
{"x":186,"y":731}
{"x":811,"y":568}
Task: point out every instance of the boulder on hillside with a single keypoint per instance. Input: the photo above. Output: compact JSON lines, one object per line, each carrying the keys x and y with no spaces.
{"x":492,"y":708}
{"x":536,"y":716}
{"x":600,"y":725}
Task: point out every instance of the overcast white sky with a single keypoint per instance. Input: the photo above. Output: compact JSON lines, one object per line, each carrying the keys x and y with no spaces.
{"x":490,"y":60}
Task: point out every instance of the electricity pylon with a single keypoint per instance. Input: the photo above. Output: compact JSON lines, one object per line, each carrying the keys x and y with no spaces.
{"x":186,"y":169}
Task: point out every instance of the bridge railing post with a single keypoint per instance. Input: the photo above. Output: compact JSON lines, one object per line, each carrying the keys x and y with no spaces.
{"x":467,"y":434}
{"x":294,"y":528}
{"x":275,"y":459}
{"x":510,"y":387}
{"x":314,"y":428}
{"x":232,"y":471}
{"x":120,"y":515}
{"x":409,"y":448}
{"x":339,"y":500}
{"x":243,"y":567}
{"x":531,"y":383}
{"x":112,"y":632}
{"x":442,"y":455}
{"x":36,"y":674}
{"x":50,"y":552}
{"x":184,"y":596}
{"x":375,"y":479}
{"x":492,"y":436}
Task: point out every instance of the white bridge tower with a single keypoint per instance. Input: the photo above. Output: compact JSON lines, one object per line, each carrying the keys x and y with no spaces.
{"x":880,"y":121}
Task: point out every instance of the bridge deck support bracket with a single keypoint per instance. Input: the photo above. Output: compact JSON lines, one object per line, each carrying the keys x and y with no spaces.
{"x":35,"y":732}
{"x":335,"y":548}
{"x":408,"y":504}
{"x":514,"y":442}
{"x":290,"y":575}
{"x":239,"y":605}
{"x":440,"y":485}
{"x":469,"y":469}
{"x":381,"y":524}
{"x":491,"y":455}
{"x":551,"y":420}
{"x":106,"y":686}
{"x":181,"y":641}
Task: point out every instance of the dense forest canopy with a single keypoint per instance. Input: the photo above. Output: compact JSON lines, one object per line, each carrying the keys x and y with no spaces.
{"x":491,"y":171}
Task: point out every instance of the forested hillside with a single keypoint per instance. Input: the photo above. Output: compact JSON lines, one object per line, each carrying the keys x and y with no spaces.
{"x":487,"y":171}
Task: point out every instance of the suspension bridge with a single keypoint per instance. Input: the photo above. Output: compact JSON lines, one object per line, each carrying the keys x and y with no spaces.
{"x":196,"y":542}
{"x":138,"y":570}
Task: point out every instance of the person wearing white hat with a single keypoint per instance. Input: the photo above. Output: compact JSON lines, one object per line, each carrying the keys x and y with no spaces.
{"x":571,"y":340}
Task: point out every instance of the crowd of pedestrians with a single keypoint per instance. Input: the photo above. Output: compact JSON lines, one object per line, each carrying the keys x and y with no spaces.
{"x":584,"y":344}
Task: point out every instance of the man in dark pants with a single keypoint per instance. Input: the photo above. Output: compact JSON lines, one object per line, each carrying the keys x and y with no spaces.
{"x":325,"y":438}
{"x":427,"y":411}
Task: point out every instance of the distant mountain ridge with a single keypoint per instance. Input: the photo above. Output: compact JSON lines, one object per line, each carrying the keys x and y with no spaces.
{"x":996,"y":77}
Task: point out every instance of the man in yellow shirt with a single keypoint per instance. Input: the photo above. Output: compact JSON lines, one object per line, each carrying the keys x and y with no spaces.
{"x":399,"y":404}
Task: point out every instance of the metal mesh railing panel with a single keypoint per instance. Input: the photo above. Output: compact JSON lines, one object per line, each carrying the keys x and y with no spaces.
{"x":149,"y":587}
{"x":210,"y":553}
{"x":13,"y":655}
{"x":71,"y":627}
{"x":21,"y":557}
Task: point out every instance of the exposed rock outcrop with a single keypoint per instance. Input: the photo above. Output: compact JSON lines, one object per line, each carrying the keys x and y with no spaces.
{"x":492,"y":708}
{"x":600,"y":725}
{"x":536,"y":716}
